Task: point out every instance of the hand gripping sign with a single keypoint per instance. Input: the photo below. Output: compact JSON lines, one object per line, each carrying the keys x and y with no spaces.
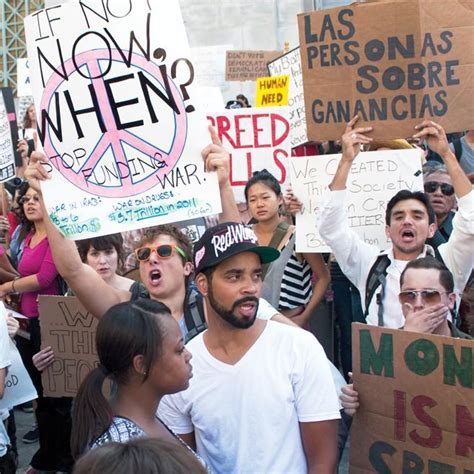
{"x":116,"y":118}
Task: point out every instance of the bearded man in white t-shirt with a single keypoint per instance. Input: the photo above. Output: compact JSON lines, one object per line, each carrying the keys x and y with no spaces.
{"x":262,"y":398}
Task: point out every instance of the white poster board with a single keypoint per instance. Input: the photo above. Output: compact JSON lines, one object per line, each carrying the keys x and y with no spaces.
{"x":7,"y":152}
{"x":256,"y":138}
{"x":290,"y":64}
{"x":23,"y":79}
{"x":375,"y":177}
{"x":113,"y":86}
{"x":209,"y":63}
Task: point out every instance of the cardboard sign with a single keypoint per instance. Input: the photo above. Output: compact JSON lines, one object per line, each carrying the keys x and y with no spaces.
{"x":375,"y":177}
{"x":70,"y":330}
{"x":272,"y":91}
{"x":416,"y":397}
{"x":290,"y":63}
{"x":256,"y":138}
{"x":248,"y":65}
{"x":8,"y":136}
{"x":113,"y":86}
{"x":209,"y":63}
{"x":23,"y":79}
{"x":358,"y":60}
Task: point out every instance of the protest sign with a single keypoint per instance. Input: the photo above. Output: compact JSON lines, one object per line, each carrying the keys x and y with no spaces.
{"x":290,"y":63}
{"x":209,"y":99}
{"x":209,"y":64}
{"x":393,"y":74}
{"x":113,"y":86}
{"x":8,"y":135}
{"x":256,"y":138}
{"x":248,"y":65}
{"x":272,"y":91}
{"x":70,"y":330}
{"x":23,"y":79}
{"x":416,"y":397}
{"x":374,"y":178}
{"x":18,"y":385}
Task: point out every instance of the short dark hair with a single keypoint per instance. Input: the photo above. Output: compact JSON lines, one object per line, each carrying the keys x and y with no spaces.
{"x":172,"y":231}
{"x":266,"y":178}
{"x":139,"y":455}
{"x":104,"y":242}
{"x":404,"y":195}
{"x":430,"y":263}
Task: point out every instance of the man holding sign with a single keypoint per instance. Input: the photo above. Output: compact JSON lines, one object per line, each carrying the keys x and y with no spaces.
{"x":410,"y":220}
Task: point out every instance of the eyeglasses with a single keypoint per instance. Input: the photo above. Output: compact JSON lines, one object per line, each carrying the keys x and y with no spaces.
{"x":428,"y":296}
{"x":162,"y":251}
{"x":432,"y":186}
{"x":27,"y":199}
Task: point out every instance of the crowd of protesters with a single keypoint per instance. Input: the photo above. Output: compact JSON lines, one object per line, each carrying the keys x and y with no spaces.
{"x":212,"y":364}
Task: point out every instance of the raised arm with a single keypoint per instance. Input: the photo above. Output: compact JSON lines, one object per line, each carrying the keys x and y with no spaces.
{"x":436,"y":139}
{"x":96,"y":296}
{"x":217,"y":159}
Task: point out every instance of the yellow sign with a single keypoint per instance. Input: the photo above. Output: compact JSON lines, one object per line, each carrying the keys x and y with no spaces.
{"x":272,"y":91}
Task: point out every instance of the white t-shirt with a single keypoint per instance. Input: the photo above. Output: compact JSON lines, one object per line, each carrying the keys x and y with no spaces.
{"x":246,"y":416}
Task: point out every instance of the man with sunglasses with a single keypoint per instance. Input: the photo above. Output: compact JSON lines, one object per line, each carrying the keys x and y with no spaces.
{"x":410,"y":221}
{"x":426,"y":297}
{"x":440,"y":190}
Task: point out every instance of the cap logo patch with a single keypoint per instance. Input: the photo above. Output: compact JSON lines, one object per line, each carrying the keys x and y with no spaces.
{"x":233,"y":235}
{"x":199,"y":256}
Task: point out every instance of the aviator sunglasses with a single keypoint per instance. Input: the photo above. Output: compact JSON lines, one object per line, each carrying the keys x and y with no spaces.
{"x":163,"y":251}
{"x":428,"y":296}
{"x":432,"y":186}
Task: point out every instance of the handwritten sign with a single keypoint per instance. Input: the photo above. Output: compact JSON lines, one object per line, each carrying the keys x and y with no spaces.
{"x":272,"y":91}
{"x":256,"y":138}
{"x":393,"y":74}
{"x":416,"y":398}
{"x":113,"y":85}
{"x":23,"y":79}
{"x":8,"y":133}
{"x":290,"y":64}
{"x":375,"y":177}
{"x":248,"y":65}
{"x":70,"y":330}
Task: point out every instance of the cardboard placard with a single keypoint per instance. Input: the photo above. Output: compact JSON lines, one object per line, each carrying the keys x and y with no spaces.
{"x":375,"y":177}
{"x":70,"y":330}
{"x":416,"y":397}
{"x":113,"y":86}
{"x":290,"y":63}
{"x":23,"y":79}
{"x":256,"y":138}
{"x":8,"y":135}
{"x":392,"y":63}
{"x":272,"y":91}
{"x":248,"y":65}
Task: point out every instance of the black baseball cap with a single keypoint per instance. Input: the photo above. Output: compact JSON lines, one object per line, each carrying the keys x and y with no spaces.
{"x":226,"y":240}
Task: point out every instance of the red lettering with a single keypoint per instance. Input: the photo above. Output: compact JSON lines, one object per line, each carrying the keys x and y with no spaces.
{"x":276,"y":140}
{"x":464,"y":431}
{"x":434,"y":439}
{"x":256,"y":130}
{"x":399,"y":414}
{"x":223,"y":126}
{"x":280,"y":164}
{"x":239,"y":131}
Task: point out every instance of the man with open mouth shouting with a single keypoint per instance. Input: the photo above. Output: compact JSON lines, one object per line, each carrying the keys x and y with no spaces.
{"x":262,"y":398}
{"x":410,"y":221}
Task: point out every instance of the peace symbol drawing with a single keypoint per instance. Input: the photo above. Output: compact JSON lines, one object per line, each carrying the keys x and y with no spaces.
{"x":117,"y":162}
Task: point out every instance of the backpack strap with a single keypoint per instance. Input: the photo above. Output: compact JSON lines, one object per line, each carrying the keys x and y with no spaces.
{"x":376,"y":278}
{"x":457,"y":148}
{"x":194,"y":317}
{"x":279,"y":234}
